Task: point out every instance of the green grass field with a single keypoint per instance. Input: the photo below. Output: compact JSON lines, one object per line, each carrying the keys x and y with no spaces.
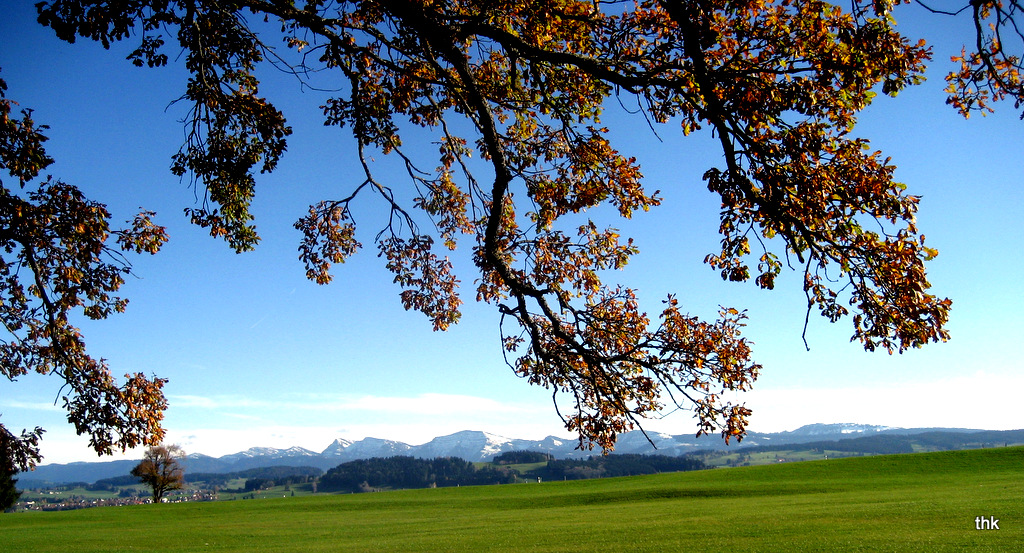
{"x":919,"y":502}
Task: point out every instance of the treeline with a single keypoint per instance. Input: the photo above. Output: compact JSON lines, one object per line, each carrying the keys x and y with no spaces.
{"x":888,"y":444}
{"x":256,"y":478}
{"x":259,"y":478}
{"x":522,"y":457}
{"x":282,"y":474}
{"x":610,"y":466}
{"x":880,"y":444}
{"x":968,"y":440}
{"x":410,"y":472}
{"x":111,"y":484}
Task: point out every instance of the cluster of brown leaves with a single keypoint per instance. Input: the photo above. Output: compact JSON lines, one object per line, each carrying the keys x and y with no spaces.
{"x":512,"y":92}
{"x":57,"y":259}
{"x":991,"y":71}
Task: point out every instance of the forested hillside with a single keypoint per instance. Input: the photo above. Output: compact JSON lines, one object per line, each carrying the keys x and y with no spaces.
{"x":410,"y":472}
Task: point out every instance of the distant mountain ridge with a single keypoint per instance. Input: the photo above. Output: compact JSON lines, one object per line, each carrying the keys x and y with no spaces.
{"x":473,"y":445}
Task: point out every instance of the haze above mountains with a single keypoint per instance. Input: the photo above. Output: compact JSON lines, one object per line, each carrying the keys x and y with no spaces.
{"x":482,"y":446}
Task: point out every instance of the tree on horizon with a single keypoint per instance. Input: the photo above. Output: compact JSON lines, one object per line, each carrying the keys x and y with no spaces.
{"x":161,"y":470}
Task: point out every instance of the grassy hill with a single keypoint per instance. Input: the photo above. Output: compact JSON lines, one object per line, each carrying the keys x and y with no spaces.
{"x":915,"y":502}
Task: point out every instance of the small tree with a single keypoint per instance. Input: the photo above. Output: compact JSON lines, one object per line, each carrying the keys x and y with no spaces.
{"x":161,"y":470}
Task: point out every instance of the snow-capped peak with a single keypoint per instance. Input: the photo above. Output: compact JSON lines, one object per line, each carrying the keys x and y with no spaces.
{"x":296,"y":452}
{"x":337,"y":447}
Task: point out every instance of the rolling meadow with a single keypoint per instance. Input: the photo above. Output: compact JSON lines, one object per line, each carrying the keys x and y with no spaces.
{"x":913,"y":502}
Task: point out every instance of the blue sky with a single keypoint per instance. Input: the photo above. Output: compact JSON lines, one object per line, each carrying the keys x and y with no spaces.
{"x":259,"y":356}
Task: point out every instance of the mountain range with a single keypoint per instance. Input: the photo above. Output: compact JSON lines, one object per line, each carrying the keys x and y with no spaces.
{"x":482,"y":446}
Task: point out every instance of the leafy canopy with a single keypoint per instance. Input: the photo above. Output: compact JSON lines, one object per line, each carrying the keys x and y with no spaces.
{"x":521,"y":85}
